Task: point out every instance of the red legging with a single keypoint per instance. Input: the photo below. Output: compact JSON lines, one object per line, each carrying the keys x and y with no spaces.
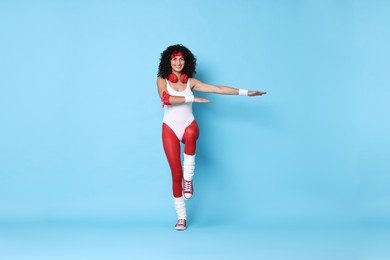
{"x":172,"y":150}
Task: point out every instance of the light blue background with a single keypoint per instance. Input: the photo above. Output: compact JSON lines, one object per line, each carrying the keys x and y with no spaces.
{"x":80,"y":118}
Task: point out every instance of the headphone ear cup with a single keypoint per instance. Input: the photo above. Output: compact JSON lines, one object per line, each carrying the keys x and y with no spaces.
{"x":183,"y":78}
{"x":172,"y":78}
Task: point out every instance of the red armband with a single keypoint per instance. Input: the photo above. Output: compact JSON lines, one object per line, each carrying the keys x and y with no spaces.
{"x":165,"y":99}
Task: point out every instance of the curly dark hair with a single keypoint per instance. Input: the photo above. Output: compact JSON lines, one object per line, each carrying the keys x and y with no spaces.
{"x":164,"y":68}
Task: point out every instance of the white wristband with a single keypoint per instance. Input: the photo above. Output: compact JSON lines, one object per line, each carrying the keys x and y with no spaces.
{"x":243,"y":92}
{"x":189,"y":99}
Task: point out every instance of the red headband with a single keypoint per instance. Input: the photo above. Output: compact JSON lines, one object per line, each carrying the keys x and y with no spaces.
{"x":176,"y":53}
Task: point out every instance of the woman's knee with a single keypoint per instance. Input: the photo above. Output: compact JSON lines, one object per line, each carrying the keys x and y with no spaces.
{"x":191,"y":134}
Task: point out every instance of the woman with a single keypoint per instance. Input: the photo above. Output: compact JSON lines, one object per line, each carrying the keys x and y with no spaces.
{"x":175,"y":84}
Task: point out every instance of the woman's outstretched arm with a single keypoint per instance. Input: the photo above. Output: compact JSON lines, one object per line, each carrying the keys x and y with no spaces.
{"x":203,"y":87}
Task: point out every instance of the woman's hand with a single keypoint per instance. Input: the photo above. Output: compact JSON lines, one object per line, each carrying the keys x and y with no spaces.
{"x":256,"y":93}
{"x":201,"y":100}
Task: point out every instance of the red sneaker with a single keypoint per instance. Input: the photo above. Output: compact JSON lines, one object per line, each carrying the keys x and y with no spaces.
{"x":188,"y":190}
{"x":181,"y":224}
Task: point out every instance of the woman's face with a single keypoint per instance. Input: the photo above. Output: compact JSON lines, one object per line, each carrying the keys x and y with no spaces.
{"x":177,"y":63}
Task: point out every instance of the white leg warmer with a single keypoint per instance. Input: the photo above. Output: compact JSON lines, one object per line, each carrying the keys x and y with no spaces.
{"x":180,"y":207}
{"x":188,"y":167}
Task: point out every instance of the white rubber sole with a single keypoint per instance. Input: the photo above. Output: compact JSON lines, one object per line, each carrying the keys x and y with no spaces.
{"x":180,"y":228}
{"x":185,"y":198}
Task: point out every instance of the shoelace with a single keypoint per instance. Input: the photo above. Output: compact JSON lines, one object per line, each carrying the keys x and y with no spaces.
{"x":181,"y":222}
{"x":188,"y":186}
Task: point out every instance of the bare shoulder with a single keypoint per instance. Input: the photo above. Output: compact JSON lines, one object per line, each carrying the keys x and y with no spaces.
{"x":194,"y":82}
{"x":161,"y":82}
